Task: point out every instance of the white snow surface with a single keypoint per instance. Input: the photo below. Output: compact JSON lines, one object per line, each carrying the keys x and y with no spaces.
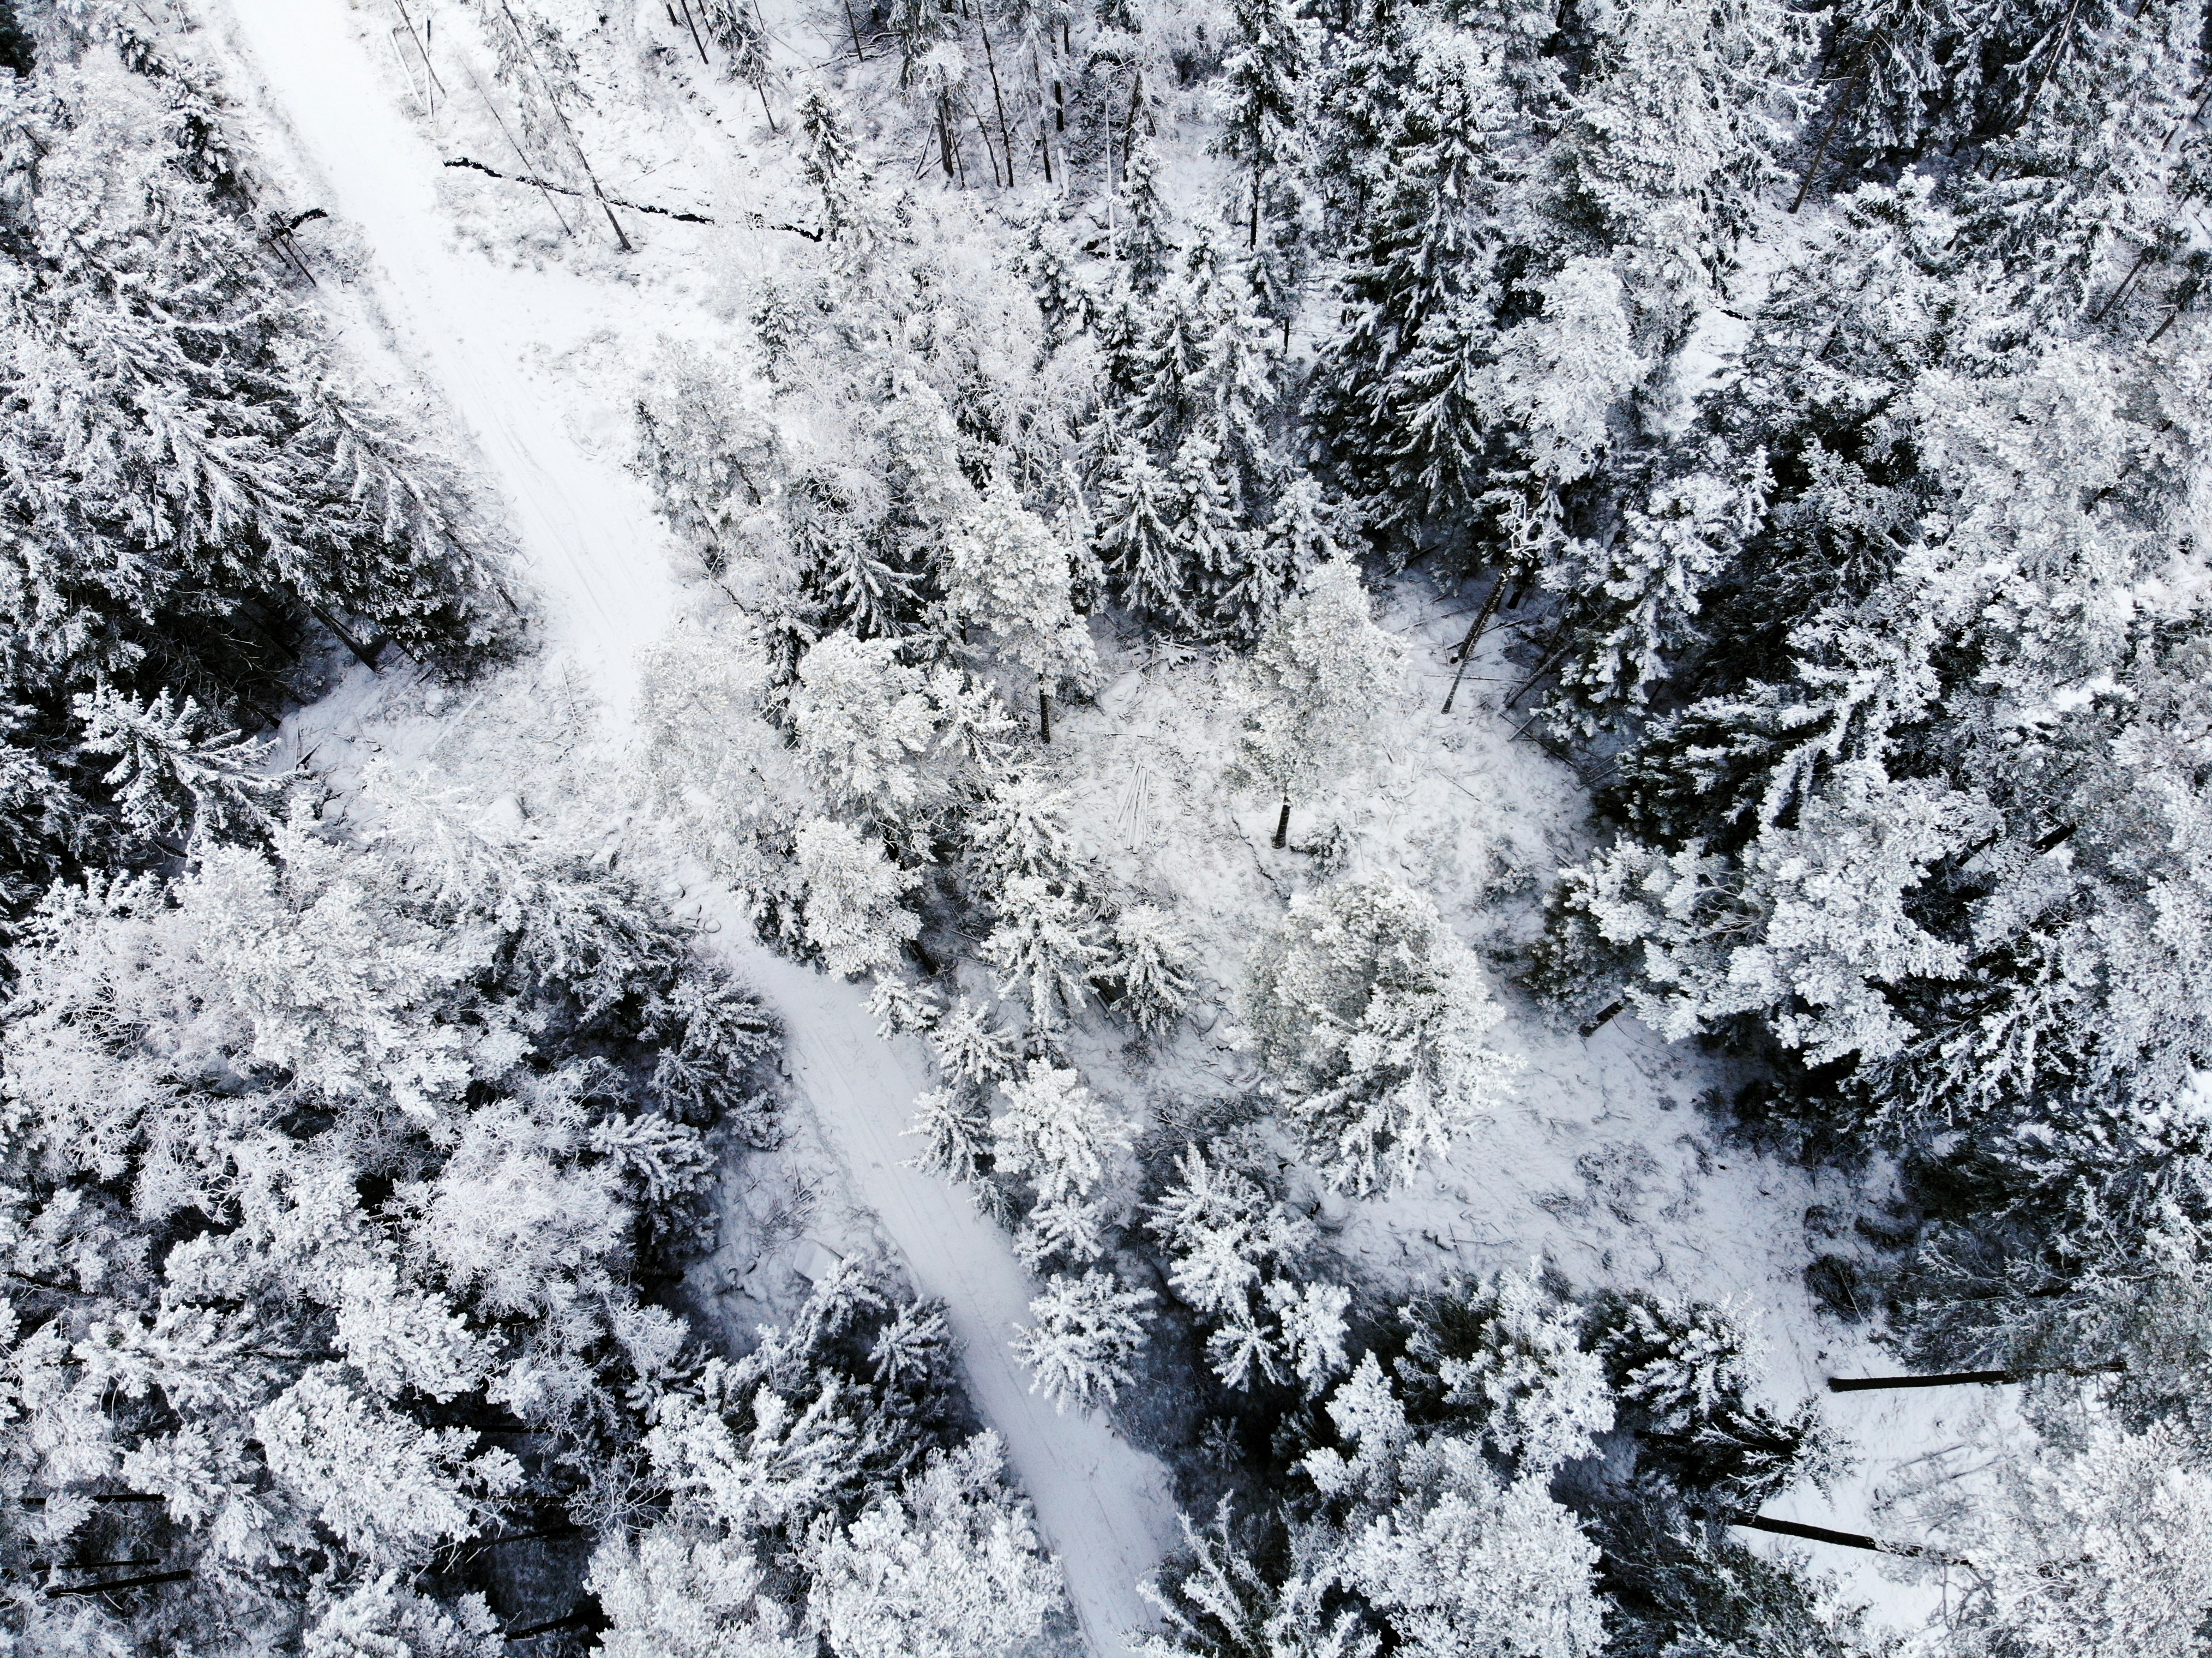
{"x":607,"y":588}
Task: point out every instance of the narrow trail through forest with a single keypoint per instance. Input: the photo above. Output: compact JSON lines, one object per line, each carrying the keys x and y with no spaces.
{"x":602,"y":565}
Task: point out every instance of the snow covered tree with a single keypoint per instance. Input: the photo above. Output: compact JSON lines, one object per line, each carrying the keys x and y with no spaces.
{"x":970,"y":1045}
{"x":1370,"y":1015}
{"x":718,"y":472}
{"x":1684,"y":1370}
{"x":1262,"y":90}
{"x":1005,"y":571}
{"x":197,"y":492}
{"x":1239,"y":1257}
{"x":851,"y":222}
{"x":1449,"y":1557}
{"x":1145,"y":249}
{"x":1675,"y":124}
{"x":954,"y":1127}
{"x":1322,"y":672}
{"x":736,"y":26}
{"x":1505,"y":1355}
{"x":951,"y":1565}
{"x":1020,"y":827}
{"x":1088,"y":1331}
{"x":678,"y":1595}
{"x":1137,"y":536}
{"x":1045,"y":947}
{"x":1058,"y":1134}
{"x":388,"y":1488}
{"x":517,"y":1034}
{"x":720,"y":774}
{"x":1809,"y":930}
{"x":882,"y":735}
{"x":378,"y":1617}
{"x":171,"y":770}
{"x":1301,"y":533}
{"x":1427,"y":245}
{"x":1224,"y":1603}
{"x":1473,"y":1567}
{"x":1151,"y":957}
{"x":2094,"y":1548}
{"x":852,"y":900}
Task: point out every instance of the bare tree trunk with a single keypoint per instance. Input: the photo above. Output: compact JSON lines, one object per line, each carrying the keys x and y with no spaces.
{"x":366,"y":656}
{"x":1820,"y":153}
{"x":553,"y":103}
{"x":1283,"y":824}
{"x":1849,"y":1539}
{"x":146,"y":1582}
{"x":1005,"y":130}
{"x":695,"y":40}
{"x":984,"y":133}
{"x":1871,"y":1384}
{"x":1044,"y":716}
{"x":1474,"y":632}
{"x":1550,"y":657}
{"x":855,"y":27}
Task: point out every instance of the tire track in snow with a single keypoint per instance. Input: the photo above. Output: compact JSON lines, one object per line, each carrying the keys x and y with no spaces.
{"x":602,"y":562}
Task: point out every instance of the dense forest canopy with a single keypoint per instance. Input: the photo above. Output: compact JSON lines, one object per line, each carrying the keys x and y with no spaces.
{"x":1811,"y":388}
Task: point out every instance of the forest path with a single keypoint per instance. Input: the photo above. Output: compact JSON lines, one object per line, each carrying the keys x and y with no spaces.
{"x":602,"y":563}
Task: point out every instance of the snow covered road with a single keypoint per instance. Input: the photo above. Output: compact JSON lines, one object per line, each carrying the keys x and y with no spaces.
{"x":590,"y":539}
{"x":1104,"y":1506}
{"x":602,"y":565}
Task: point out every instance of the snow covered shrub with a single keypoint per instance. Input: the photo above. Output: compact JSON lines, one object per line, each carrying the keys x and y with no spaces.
{"x":1088,"y":1331}
{"x":1370,"y":1015}
{"x":314,"y":1150}
{"x":853,"y":905}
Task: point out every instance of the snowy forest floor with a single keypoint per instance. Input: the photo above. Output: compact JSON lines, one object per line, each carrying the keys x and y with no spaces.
{"x":1604,"y":1165}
